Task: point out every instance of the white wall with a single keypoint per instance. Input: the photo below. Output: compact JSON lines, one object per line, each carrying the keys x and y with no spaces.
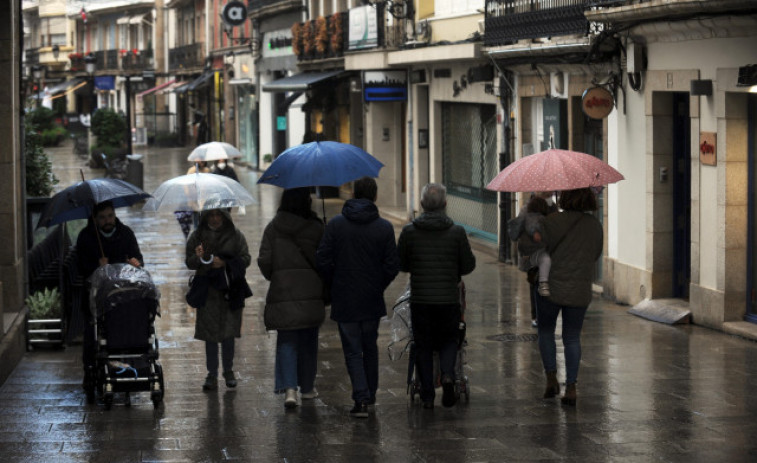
{"x":265,"y":117}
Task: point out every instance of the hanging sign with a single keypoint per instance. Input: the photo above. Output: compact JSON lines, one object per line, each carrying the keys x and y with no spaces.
{"x":597,"y":102}
{"x":234,"y":13}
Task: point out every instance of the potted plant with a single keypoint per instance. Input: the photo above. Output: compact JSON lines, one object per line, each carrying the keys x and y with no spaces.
{"x":45,"y":322}
{"x":267,"y":160}
{"x":110,"y":128}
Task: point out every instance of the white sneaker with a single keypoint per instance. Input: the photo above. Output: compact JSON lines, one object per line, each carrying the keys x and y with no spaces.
{"x":309,"y":395}
{"x":291,"y":398}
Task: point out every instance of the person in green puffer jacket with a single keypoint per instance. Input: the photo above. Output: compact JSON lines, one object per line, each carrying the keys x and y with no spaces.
{"x":436,"y":253}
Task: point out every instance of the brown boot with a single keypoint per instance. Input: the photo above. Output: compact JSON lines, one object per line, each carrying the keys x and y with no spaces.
{"x":553,"y":387}
{"x":570,"y":395}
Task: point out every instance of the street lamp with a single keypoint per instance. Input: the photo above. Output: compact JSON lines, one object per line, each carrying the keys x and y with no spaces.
{"x":38,"y":72}
{"x":90,"y":64}
{"x":56,"y":52}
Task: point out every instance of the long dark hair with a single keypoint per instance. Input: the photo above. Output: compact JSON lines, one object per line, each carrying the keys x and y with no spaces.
{"x":297,"y":201}
{"x":581,"y":200}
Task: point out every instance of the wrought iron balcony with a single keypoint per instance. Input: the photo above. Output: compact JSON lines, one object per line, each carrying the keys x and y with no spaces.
{"x":508,"y":21}
{"x":186,"y":57}
{"x":141,"y":60}
{"x":31,"y":56}
{"x":107,"y":60}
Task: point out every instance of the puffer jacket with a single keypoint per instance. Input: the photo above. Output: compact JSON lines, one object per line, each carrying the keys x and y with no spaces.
{"x":436,"y":253}
{"x":574,"y":241}
{"x":216,"y":321}
{"x":287,"y":258}
{"x":358,"y":258}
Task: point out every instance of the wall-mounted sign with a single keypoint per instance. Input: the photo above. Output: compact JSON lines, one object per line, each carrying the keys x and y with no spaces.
{"x":708,"y":153}
{"x":597,"y":102}
{"x":281,"y":123}
{"x":277,"y":43}
{"x":234,"y":13}
{"x":385,"y":85}
{"x":363,"y":28}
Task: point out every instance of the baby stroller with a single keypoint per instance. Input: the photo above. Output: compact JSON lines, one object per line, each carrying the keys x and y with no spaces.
{"x":402,"y":341}
{"x":124,"y":302}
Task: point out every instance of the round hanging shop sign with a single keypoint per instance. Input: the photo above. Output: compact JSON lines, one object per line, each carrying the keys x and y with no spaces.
{"x":234,"y":13}
{"x":597,"y":102}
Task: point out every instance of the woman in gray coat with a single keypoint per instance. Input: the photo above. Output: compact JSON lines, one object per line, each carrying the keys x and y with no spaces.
{"x":294,"y":303}
{"x":217,"y":249}
{"x":574,"y":240}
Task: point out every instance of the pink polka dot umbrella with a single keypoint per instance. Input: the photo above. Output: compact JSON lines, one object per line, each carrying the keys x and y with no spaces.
{"x":554,"y":170}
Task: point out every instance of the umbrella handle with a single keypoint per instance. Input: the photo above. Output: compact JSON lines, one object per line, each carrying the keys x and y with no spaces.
{"x":97,"y":234}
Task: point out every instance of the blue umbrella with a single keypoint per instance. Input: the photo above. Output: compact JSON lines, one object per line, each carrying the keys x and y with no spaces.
{"x":320,"y":163}
{"x":78,"y":200}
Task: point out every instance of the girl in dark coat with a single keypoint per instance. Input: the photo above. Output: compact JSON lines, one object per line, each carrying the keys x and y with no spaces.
{"x":215,"y":245}
{"x":294,"y":303}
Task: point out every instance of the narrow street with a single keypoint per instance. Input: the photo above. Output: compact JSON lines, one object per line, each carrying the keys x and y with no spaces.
{"x":646,"y":392}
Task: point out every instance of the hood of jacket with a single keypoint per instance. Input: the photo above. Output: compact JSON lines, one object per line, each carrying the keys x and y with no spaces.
{"x":227,"y":222}
{"x":360,"y":210}
{"x":433,"y":221}
{"x":290,"y":224}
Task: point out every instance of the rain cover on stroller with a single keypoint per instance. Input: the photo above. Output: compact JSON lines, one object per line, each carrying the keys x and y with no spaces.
{"x":114,"y":284}
{"x":401,"y":331}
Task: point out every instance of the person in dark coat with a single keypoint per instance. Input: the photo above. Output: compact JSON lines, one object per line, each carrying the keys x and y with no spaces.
{"x":223,"y":167}
{"x":105,"y":240}
{"x":358,"y":259}
{"x":574,"y":239}
{"x":436,"y":253}
{"x":217,"y":244}
{"x":295,"y":301}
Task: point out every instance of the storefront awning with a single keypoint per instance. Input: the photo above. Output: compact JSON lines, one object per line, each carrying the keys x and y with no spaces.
{"x":63,"y":86}
{"x":199,"y":82}
{"x":155,"y":89}
{"x":298,"y":82}
{"x":171,"y":88}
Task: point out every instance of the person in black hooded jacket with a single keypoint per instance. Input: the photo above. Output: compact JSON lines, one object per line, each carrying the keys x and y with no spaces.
{"x":357,"y":257}
{"x":436,"y":253}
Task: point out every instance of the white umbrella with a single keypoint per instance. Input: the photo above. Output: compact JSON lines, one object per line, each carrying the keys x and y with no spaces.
{"x":214,"y":151}
{"x":198,"y":192}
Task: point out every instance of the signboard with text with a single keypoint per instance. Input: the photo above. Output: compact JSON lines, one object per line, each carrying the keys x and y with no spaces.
{"x":363,"y":28}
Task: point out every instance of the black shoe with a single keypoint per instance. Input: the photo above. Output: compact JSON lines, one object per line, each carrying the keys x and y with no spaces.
{"x":360,"y":410}
{"x":428,"y":405}
{"x":210,"y":384}
{"x":231,"y":381}
{"x":448,"y":388}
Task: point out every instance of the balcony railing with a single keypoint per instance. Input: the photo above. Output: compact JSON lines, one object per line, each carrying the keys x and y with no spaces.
{"x":32,"y":56}
{"x":186,"y":57}
{"x":139,"y":61}
{"x":508,"y":21}
{"x":107,"y":60}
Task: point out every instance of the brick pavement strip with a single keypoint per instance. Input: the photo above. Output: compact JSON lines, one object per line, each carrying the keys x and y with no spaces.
{"x":647,"y":391}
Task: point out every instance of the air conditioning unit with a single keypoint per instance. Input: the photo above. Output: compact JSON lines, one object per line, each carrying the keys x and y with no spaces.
{"x":558,"y":84}
{"x":423,"y":30}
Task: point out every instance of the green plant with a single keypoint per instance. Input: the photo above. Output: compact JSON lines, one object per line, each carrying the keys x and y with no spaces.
{"x":53,"y":136}
{"x":44,"y":304}
{"x":109,"y":127}
{"x":41,"y":118}
{"x":267,"y":157}
{"x":39,"y":170}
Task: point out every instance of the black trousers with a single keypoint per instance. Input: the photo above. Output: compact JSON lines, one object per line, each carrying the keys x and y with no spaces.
{"x":435,"y":328}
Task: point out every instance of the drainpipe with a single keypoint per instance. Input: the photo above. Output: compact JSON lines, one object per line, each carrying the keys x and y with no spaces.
{"x":506,"y":95}
{"x":410,"y":153}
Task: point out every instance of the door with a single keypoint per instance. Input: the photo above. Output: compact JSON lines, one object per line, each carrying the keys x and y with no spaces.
{"x":681,"y":177}
{"x":751,"y":312}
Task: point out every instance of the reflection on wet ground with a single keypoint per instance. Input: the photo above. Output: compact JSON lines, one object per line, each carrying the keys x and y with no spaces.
{"x":647,"y":392}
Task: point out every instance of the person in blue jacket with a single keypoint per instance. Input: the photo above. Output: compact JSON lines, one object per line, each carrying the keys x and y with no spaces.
{"x":358,"y":258}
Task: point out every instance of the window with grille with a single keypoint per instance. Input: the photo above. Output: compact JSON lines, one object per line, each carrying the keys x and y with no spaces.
{"x":469,"y":162}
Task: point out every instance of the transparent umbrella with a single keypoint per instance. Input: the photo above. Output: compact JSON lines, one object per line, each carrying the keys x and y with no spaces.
{"x":214,"y":151}
{"x":198,"y":192}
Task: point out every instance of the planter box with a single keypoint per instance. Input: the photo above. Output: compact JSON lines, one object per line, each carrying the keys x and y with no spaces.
{"x":47,"y":332}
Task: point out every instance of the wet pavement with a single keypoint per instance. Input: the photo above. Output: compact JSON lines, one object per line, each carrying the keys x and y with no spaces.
{"x":647,"y":391}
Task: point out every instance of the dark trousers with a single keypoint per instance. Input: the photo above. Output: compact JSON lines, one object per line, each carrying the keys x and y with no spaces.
{"x":361,"y":357}
{"x":435,"y":328}
{"x":227,"y":356}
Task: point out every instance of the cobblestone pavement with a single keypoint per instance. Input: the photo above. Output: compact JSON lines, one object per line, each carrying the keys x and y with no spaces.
{"x":647,"y":391}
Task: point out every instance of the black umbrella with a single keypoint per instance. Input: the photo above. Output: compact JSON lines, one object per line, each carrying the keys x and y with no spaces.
{"x":78,"y":200}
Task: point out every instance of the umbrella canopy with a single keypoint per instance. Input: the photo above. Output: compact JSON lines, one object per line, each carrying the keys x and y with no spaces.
{"x":554,"y":170}
{"x":214,"y":151}
{"x":320,"y":163}
{"x":198,"y":192}
{"x":77,"y":201}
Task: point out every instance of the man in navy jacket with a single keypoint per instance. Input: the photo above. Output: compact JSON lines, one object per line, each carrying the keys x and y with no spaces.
{"x":358,"y":258}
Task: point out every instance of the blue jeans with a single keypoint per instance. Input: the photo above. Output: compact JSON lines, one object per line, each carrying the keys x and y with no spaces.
{"x":361,"y":357}
{"x":572,"y":322}
{"x":227,"y":354}
{"x":296,"y":359}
